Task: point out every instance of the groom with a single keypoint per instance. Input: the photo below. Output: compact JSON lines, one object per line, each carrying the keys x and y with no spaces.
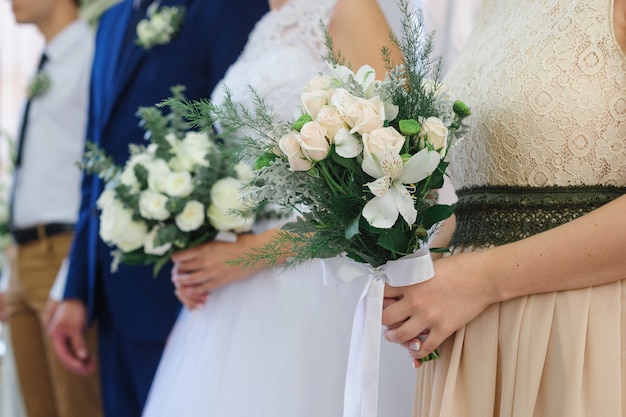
{"x":134,"y":311}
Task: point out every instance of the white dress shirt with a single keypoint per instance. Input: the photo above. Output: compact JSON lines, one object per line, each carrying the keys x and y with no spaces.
{"x":48,"y":182}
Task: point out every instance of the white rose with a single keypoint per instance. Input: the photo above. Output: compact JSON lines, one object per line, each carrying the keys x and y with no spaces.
{"x":313,"y":101}
{"x":319,"y":82}
{"x":178,"y":184}
{"x":191,"y":151}
{"x":118,"y":227}
{"x":362,"y":115}
{"x":378,"y":140}
{"x":313,"y":141}
{"x":331,"y":119}
{"x":152,"y":205}
{"x":106,"y":198}
{"x":436,"y":133}
{"x":191,"y":217}
{"x":128,"y":177}
{"x":158,"y":171}
{"x":244,"y":172}
{"x":149,"y":244}
{"x":225,"y":201}
{"x":151,"y":149}
{"x":289,"y":144}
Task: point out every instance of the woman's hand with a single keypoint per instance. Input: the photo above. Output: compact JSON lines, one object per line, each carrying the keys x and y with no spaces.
{"x":434,"y":309}
{"x":199,"y":270}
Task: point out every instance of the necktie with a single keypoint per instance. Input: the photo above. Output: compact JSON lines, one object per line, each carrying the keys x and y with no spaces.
{"x":20,"y":143}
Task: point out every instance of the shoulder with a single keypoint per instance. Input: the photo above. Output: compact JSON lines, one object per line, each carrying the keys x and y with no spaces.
{"x":619,"y":22}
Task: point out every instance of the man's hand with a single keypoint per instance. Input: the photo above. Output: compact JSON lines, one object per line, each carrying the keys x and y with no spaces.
{"x":66,"y":330}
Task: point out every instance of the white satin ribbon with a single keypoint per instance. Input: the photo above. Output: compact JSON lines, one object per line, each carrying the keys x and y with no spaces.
{"x":361,"y":388}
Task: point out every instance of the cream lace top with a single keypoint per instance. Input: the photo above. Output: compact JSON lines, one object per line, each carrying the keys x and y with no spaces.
{"x":546,"y":81}
{"x":284,"y":51}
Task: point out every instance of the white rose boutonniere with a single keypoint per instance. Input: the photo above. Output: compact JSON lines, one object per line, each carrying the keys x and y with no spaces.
{"x":160,"y":26}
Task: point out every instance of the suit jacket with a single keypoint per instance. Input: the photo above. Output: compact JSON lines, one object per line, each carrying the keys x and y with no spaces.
{"x":125,"y":77}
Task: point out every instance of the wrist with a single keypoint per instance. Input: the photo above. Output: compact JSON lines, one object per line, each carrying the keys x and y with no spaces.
{"x":481,"y":267}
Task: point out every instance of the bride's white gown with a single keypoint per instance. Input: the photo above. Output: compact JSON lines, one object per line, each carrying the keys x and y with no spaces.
{"x":276,"y":344}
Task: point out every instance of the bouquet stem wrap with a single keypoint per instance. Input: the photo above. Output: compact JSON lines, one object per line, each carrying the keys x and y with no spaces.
{"x":361,"y":387}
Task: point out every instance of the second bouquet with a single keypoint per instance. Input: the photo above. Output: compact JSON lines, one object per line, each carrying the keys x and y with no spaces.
{"x":179,"y":190}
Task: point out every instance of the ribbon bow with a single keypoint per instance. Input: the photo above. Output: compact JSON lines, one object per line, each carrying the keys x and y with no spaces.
{"x":361,"y":387}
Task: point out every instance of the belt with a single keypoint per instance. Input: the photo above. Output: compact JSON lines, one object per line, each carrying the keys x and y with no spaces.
{"x":496,"y":215}
{"x":30,"y":234}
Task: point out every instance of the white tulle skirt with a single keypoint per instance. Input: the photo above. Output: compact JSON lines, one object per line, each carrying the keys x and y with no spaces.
{"x":274,"y":345}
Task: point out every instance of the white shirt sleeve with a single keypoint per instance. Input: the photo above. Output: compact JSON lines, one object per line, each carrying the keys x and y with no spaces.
{"x":58,"y":288}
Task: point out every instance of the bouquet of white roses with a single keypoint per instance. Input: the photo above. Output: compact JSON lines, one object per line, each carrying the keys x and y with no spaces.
{"x":178,"y":191}
{"x":364,"y":159}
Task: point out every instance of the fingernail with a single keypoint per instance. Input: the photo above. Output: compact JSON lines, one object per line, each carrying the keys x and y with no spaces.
{"x":415,"y":345}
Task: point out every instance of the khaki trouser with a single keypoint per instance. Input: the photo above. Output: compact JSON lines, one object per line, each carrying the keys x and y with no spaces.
{"x":49,"y":389}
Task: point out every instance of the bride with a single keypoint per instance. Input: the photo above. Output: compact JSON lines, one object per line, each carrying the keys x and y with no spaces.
{"x":274,"y":343}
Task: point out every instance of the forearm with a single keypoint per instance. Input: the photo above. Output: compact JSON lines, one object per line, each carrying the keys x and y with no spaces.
{"x":582,"y":253}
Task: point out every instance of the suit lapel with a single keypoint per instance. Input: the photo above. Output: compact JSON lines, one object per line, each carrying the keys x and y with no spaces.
{"x":127,"y":58}
{"x":109,"y":54}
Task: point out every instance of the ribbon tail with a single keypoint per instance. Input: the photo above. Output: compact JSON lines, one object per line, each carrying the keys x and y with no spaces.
{"x":361,"y":388}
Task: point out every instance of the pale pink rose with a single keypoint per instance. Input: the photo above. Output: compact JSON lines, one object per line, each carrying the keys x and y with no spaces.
{"x":290,"y":147}
{"x":313,"y":101}
{"x":436,"y":133}
{"x":364,"y":115}
{"x":313,"y":141}
{"x":378,"y":140}
{"x":331,"y":119}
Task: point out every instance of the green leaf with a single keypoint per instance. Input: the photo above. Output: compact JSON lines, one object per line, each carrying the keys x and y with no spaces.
{"x":440,"y":250}
{"x":160,"y":263}
{"x":353,"y":227}
{"x":264,"y":160}
{"x":314,"y":172}
{"x":302,"y":120}
{"x":395,"y":240}
{"x":348,"y":163}
{"x":435,"y":214}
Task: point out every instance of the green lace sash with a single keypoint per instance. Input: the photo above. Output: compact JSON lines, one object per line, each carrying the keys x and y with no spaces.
{"x":495,"y":215}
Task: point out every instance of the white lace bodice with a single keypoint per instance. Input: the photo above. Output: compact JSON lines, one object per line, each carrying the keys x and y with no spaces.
{"x":551,"y":109}
{"x":284,"y":51}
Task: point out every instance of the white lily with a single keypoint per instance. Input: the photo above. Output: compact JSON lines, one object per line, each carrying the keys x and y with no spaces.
{"x":392,"y":198}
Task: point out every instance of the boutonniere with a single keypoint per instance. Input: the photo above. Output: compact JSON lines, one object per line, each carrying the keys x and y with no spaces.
{"x":39,"y":85}
{"x":160,"y":26}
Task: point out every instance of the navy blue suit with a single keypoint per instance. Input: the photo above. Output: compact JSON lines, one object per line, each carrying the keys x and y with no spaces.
{"x":134,"y":310}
